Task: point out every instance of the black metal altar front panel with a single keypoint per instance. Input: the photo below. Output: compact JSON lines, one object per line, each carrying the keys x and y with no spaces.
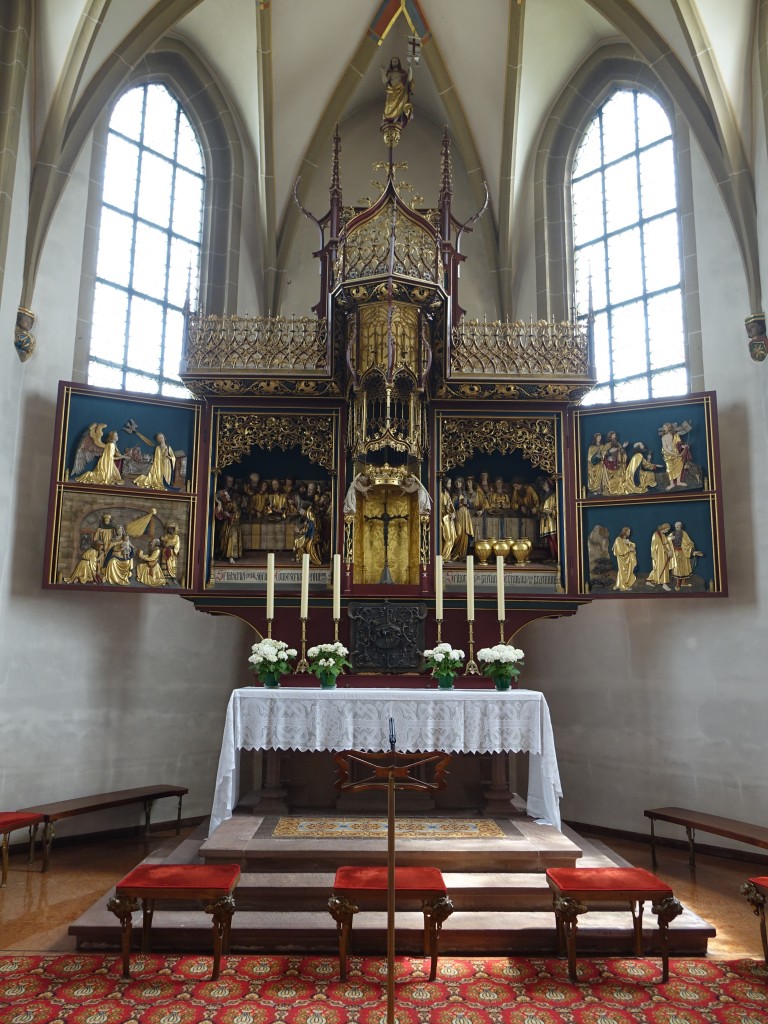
{"x":386,"y":636}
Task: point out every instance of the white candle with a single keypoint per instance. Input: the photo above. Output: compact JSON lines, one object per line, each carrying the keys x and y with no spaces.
{"x":304,"y":587}
{"x":271,"y":585}
{"x":501,"y":610}
{"x":337,"y":587}
{"x":439,"y":587}
{"x":470,"y":588}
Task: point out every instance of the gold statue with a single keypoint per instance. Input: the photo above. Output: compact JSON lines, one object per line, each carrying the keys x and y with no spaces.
{"x":148,"y":570}
{"x":106,"y":471}
{"x":625,"y":552}
{"x":595,"y":454}
{"x":118,"y":560}
{"x":660,"y":558}
{"x":228,"y":514}
{"x":640,"y":476}
{"x":398,"y":108}
{"x":88,"y":569}
{"x":681,"y":551}
{"x":171,"y":545}
{"x":105,"y":533}
{"x":163,"y":465}
{"x":463,"y":526}
{"x":447,"y":520}
{"x":614,"y":465}
{"x":675,"y":452}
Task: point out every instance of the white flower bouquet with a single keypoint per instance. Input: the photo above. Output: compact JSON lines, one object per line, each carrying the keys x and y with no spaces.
{"x":446,"y":662}
{"x":501,"y":664}
{"x":327,"y":661}
{"x":271,"y":659}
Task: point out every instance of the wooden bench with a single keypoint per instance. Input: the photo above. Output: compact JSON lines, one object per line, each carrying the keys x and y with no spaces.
{"x":730,"y":828}
{"x":573,"y":888}
{"x":425,"y":884}
{"x":50,"y":813}
{"x":208,"y":883}
{"x":9,"y":822}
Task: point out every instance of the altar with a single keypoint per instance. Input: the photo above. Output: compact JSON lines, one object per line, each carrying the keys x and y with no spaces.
{"x":455,"y":721}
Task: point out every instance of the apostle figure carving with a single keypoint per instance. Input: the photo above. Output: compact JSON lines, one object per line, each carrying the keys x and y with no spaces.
{"x":675,"y":452}
{"x":625,"y":553}
{"x":660,"y":558}
{"x":682,"y":554}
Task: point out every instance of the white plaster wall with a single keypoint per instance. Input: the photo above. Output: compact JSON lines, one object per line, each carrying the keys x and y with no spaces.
{"x":98,"y":691}
{"x":660,"y":702}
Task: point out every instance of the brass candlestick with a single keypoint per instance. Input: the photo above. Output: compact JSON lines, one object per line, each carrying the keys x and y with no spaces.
{"x":269,"y":629}
{"x":303,"y":665}
{"x":439,"y":630}
{"x":336,"y":630}
{"x":472,"y":669}
{"x":501,"y":632}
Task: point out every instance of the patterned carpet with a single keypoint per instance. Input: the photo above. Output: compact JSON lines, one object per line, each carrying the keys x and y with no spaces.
{"x":89,"y":989}
{"x":376,"y":828}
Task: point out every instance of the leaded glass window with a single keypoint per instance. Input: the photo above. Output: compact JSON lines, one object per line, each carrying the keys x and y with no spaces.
{"x":626,"y":234}
{"x":149,"y":244}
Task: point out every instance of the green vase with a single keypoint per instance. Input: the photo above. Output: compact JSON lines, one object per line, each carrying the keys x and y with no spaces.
{"x":445,"y":681}
{"x":327,"y":680}
{"x":271,"y":680}
{"x":502,"y":683}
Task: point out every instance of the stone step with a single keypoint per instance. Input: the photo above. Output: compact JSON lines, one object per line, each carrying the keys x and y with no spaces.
{"x":529,"y":846}
{"x":464,"y":933}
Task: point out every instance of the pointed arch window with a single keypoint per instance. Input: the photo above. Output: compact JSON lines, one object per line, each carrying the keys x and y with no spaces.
{"x":626,"y":238}
{"x":149,"y":243}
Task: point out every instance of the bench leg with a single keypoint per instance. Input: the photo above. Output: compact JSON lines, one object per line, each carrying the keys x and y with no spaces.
{"x":147,"y":816}
{"x":436,"y":912}
{"x":636,"y":906}
{"x":123,"y":907}
{"x":147,"y":913}
{"x":178,"y":817}
{"x":567,"y":911}
{"x":654,"y":862}
{"x":32,"y":842}
{"x":342,"y":910}
{"x":6,"y":843}
{"x":47,"y":842}
{"x":221,"y":910}
{"x":666,"y":911}
{"x":691,"y":833}
{"x":756,"y":900}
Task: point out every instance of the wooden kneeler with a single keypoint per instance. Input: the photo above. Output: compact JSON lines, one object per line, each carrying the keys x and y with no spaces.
{"x":391,"y":770}
{"x":211,"y":884}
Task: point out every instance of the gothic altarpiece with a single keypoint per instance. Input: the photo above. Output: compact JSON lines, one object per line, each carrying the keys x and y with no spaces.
{"x":389,"y":429}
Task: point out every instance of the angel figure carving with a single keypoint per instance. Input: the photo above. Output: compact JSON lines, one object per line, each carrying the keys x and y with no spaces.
{"x":90,"y":447}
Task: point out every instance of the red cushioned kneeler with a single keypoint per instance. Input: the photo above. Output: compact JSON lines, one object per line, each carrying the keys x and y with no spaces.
{"x":9,"y":822}
{"x":571,"y":886}
{"x":424,"y":883}
{"x":209,"y":883}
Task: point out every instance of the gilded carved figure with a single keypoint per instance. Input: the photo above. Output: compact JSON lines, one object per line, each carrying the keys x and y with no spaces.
{"x":398,"y":108}
{"x":148,"y":571}
{"x":447,"y":520}
{"x":88,"y":569}
{"x":675,"y":452}
{"x":640,"y":474}
{"x":462,"y":524}
{"x":682,"y":552}
{"x":106,"y":471}
{"x":660,"y":558}
{"x":118,"y":560}
{"x":160,"y":474}
{"x":625,"y":553}
{"x":171,"y":545}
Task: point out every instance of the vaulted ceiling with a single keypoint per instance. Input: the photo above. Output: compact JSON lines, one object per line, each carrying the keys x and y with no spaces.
{"x":492,"y":71}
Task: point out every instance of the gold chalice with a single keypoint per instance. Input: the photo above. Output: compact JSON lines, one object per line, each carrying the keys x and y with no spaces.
{"x":501,"y":547}
{"x":483,"y":550}
{"x":521,"y":549}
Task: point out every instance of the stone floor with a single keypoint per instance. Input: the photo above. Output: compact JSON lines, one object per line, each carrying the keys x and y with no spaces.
{"x":36,"y":910}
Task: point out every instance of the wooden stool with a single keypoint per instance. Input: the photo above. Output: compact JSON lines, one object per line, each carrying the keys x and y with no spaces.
{"x":592,"y":885}
{"x":755,"y":890}
{"x":212,"y":883}
{"x":425,"y":884}
{"x":9,"y":822}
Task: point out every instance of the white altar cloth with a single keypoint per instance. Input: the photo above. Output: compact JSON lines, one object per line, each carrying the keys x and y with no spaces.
{"x":456,"y":721}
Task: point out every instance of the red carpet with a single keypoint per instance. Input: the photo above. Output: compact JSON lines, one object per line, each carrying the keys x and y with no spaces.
{"x":89,"y":989}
